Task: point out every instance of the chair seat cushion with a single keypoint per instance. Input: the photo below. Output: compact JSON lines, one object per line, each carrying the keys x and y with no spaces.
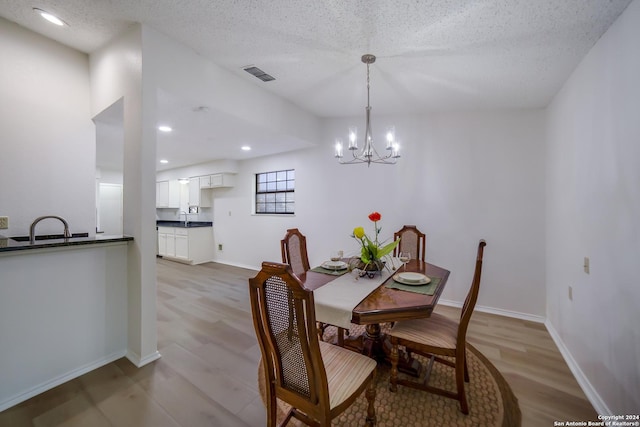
{"x":346,"y":371}
{"x":435,"y":331}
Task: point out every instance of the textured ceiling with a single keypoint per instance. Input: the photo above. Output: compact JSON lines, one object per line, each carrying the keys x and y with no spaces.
{"x":432,"y":55}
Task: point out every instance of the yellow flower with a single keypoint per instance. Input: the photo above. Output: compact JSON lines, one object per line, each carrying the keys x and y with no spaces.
{"x":358,"y":232}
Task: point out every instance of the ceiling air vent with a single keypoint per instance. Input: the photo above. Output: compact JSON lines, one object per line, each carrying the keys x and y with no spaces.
{"x":255,"y":71}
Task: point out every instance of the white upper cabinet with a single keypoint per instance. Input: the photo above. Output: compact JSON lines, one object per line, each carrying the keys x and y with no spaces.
{"x":205,"y":181}
{"x":198,"y":195}
{"x":168,"y":194}
{"x":222,"y":180}
{"x":217,"y":180}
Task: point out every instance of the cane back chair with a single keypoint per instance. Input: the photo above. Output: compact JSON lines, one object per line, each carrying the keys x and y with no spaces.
{"x":319,"y":380}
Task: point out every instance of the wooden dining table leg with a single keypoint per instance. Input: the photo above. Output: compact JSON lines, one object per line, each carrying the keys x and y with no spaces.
{"x":375,"y":344}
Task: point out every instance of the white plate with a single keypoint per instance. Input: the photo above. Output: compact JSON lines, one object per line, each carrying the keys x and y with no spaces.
{"x":334,"y":265}
{"x":412,"y":277}
{"x":424,"y":280}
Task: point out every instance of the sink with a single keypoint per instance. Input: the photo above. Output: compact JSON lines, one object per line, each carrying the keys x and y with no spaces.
{"x":47,"y":237}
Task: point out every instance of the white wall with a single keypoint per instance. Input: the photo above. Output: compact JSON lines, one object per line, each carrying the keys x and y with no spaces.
{"x":116,"y":73}
{"x":48,"y":143}
{"x":462,"y":177}
{"x":62,"y":313}
{"x":593,"y":210}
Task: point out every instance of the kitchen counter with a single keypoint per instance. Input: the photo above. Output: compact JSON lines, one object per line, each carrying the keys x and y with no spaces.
{"x":9,"y":245}
{"x":64,"y":311}
{"x":190,"y":224}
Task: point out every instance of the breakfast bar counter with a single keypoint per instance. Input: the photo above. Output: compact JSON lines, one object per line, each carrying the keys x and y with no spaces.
{"x":64,"y":310}
{"x":8,"y":244}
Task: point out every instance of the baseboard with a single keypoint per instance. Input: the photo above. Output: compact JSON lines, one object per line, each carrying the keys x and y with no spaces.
{"x":235,"y":264}
{"x":140,"y":362}
{"x":48,"y":385}
{"x":592,"y":395}
{"x":497,"y":311}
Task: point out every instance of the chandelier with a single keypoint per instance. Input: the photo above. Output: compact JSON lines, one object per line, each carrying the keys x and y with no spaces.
{"x":368,"y":154}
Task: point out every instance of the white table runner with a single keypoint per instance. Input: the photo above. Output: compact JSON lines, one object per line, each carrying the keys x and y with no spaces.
{"x":336,"y":300}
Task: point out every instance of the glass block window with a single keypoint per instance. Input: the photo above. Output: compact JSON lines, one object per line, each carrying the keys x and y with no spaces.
{"x":275,"y":192}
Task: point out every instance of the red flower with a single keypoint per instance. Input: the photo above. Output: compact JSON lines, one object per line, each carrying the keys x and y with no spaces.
{"x":374,"y":216}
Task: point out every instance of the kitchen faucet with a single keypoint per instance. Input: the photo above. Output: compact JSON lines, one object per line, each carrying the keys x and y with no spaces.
{"x":186,"y":218}
{"x":32,"y":230}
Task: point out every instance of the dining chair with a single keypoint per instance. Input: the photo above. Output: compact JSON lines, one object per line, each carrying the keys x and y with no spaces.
{"x":411,"y":240}
{"x":319,"y":380}
{"x":294,"y":251}
{"x":438,"y":336}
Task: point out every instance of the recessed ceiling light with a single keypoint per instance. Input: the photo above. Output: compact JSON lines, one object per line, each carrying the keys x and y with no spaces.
{"x":164,"y":161}
{"x":245,"y":148}
{"x":164,"y":128}
{"x":49,"y":17}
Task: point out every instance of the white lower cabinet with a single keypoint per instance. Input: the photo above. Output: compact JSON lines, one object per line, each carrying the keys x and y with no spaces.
{"x":162,"y":241}
{"x":189,"y":245}
{"x":182,"y":244}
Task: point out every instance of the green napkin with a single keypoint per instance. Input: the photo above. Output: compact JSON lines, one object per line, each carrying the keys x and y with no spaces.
{"x":329,"y":271}
{"x":428,"y":289}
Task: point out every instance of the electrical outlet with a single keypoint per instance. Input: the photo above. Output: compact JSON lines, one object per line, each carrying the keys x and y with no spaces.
{"x":4,"y":222}
{"x":219,"y":246}
{"x":586,"y":264}
{"x":570,"y":293}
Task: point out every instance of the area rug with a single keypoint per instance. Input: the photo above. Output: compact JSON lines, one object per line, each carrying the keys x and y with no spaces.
{"x":491,"y":401}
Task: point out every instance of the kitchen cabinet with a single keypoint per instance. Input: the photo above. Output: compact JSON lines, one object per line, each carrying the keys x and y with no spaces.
{"x":168,"y":194}
{"x":205,"y":181}
{"x":189,"y":245}
{"x":216,"y":180}
{"x":220,"y":180}
{"x":182,"y":243}
{"x":162,"y":242}
{"x":198,"y":196}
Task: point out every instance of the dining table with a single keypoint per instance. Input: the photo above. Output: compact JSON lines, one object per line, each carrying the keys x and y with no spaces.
{"x":345,"y":297}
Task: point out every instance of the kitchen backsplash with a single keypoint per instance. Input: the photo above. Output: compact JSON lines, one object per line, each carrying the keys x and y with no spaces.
{"x":205,"y":214}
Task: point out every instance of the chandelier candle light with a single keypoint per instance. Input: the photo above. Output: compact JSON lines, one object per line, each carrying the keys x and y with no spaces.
{"x":368,"y":154}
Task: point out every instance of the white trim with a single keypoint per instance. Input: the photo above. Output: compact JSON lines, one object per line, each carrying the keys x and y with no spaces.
{"x":592,"y":395}
{"x":48,"y":385}
{"x":140,"y":362}
{"x":598,"y":404}
{"x":235,"y":264}
{"x":498,"y":311}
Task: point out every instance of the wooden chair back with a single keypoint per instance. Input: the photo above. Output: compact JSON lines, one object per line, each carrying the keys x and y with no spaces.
{"x":411,"y":240}
{"x":294,"y":251}
{"x":472,"y":296}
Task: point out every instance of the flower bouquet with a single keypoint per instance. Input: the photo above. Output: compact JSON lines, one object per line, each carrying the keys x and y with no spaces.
{"x":372,"y":252}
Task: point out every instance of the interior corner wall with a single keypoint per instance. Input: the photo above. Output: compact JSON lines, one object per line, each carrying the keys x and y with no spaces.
{"x":117,"y":72}
{"x":47,"y":134}
{"x":461,"y":177}
{"x":593,"y":210}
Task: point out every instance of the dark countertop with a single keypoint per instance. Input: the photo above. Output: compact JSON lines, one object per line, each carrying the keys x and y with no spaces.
{"x":190,"y":224}
{"x":9,"y":245}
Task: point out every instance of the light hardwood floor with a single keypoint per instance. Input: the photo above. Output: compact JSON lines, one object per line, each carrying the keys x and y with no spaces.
{"x":207,"y":373}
